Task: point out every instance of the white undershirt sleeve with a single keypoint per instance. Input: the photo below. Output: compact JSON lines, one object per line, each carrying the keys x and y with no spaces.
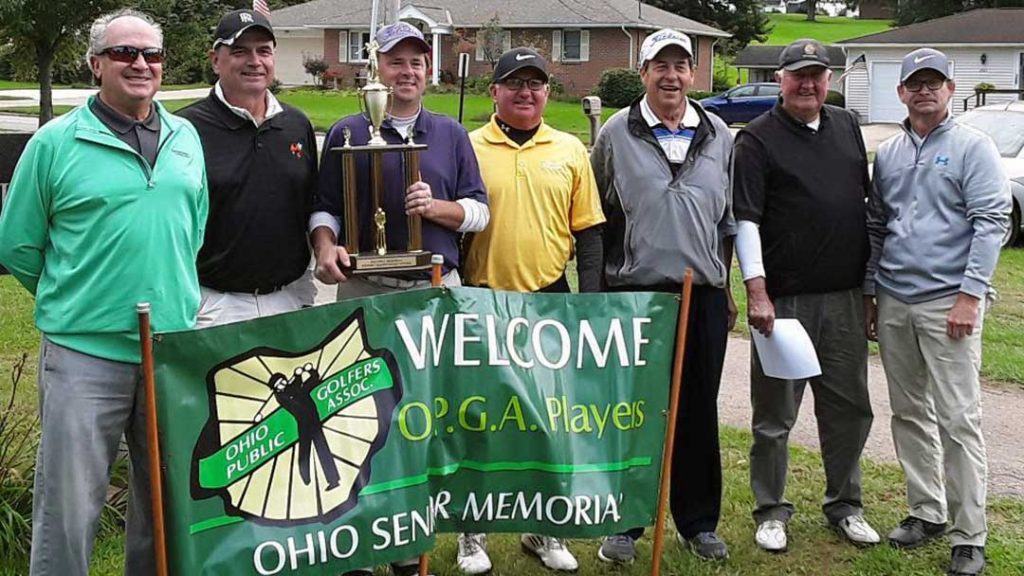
{"x":748,"y":249}
{"x":321,"y":218}
{"x":477,"y":215}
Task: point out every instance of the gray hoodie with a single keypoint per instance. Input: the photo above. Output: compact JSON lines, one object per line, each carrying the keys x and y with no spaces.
{"x":937,"y":211}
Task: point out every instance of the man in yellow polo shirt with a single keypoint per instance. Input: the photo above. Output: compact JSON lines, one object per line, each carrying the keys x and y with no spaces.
{"x":541,"y":189}
{"x":543,"y":197}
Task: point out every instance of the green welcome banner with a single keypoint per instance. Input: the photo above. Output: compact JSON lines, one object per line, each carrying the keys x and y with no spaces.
{"x":350,"y":435}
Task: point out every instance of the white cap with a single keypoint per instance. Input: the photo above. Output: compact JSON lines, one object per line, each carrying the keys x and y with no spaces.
{"x":659,"y":40}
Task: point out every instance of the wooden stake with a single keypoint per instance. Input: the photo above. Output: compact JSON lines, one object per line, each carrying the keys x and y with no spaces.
{"x":670,"y":430}
{"x":436,"y":263}
{"x":152,"y":441}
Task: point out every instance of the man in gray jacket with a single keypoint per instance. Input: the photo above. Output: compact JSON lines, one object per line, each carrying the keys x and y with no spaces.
{"x":937,"y":213}
{"x":662,"y":168}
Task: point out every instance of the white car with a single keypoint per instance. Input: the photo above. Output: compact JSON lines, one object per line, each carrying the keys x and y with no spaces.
{"x":1004,"y":123}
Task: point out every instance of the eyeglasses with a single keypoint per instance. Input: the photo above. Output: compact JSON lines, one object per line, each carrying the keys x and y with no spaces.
{"x":534,"y":84}
{"x":129,"y":54}
{"x":933,"y":84}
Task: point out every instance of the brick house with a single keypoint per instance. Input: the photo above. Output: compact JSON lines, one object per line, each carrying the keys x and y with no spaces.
{"x":582,"y":38}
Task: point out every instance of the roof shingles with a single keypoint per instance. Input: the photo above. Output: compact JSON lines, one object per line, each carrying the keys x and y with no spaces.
{"x":518,"y":14}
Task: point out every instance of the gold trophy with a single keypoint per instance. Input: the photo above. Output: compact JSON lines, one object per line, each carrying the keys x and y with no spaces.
{"x":374,"y":97}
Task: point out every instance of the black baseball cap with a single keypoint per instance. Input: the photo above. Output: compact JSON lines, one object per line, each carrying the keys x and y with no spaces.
{"x":803,"y":53}
{"x":517,"y":59}
{"x":236,"y":22}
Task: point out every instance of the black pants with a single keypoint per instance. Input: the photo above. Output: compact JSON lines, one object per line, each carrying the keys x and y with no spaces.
{"x":696,"y":497}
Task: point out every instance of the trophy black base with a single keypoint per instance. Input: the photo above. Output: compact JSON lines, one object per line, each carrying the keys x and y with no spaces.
{"x":369,"y":263}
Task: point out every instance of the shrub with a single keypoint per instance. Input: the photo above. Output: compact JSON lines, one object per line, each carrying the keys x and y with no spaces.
{"x":836,"y":99}
{"x":618,"y":87}
{"x":699,"y":94}
{"x":275,"y":86}
{"x":316,"y":67}
{"x":478,"y":84}
{"x":984,"y":87}
{"x":17,"y":442}
{"x":333,"y":78}
{"x":556,"y":86}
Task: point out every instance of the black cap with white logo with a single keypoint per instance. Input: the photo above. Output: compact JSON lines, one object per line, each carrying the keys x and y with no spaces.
{"x":517,"y":59}
{"x":235,"y":23}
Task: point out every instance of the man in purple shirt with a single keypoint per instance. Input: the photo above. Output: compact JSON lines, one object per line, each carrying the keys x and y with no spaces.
{"x":449,"y":197}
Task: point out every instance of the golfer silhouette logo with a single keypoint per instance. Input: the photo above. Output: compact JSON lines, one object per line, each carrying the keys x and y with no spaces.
{"x":294,"y":396}
{"x":291,"y":436}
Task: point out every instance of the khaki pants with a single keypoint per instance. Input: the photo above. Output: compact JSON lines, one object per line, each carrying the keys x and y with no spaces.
{"x":216,"y":307}
{"x":935,"y":395}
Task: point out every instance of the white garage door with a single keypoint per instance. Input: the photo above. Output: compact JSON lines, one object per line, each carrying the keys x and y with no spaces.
{"x":290,"y":54}
{"x":885,"y":103}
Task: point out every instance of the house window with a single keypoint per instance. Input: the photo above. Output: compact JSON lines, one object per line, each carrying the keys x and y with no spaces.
{"x":571,"y":44}
{"x":357,"y":41}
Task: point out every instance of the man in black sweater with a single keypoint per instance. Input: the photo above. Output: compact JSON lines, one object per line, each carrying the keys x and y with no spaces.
{"x":799,"y":185}
{"x":261,"y":163}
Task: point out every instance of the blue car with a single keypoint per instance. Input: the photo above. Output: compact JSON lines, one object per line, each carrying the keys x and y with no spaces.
{"x":744,"y":102}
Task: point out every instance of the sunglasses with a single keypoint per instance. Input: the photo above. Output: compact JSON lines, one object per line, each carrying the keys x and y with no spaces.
{"x":128,"y":54}
{"x":933,"y":84}
{"x":534,"y":84}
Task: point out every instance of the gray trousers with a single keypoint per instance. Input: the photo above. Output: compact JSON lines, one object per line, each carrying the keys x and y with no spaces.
{"x":935,"y":394}
{"x":85,"y":405}
{"x":835,"y":323}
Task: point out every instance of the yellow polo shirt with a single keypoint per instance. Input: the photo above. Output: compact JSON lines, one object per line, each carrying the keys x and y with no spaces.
{"x":539,"y":194}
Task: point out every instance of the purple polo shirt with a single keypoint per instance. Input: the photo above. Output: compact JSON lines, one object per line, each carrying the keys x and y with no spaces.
{"x":448,"y":165}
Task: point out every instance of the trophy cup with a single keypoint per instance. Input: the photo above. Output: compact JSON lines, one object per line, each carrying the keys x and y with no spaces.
{"x":374,"y":97}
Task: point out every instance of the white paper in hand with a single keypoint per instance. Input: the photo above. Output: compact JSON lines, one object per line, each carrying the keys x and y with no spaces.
{"x":788,"y":352}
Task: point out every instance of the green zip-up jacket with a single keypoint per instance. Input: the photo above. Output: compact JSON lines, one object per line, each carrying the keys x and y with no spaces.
{"x":91,"y":229}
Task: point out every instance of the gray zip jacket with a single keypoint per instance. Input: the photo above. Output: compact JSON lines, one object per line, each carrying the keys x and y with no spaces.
{"x":659,"y":224}
{"x":937,"y":212}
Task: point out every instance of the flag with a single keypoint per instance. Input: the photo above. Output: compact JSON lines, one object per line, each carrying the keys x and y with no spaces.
{"x":859,"y":63}
{"x":261,"y":7}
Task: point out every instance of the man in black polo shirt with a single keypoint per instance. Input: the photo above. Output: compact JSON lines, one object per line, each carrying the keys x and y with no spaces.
{"x":261,"y":163}
{"x":800,"y":181}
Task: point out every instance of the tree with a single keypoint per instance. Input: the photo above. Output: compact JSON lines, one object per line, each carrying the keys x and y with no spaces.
{"x":42,"y":28}
{"x":812,"y":10}
{"x":744,"y":19}
{"x":488,"y":38}
{"x":911,"y":11}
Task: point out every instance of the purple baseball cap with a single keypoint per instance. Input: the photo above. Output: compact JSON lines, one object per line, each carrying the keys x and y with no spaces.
{"x":389,"y":36}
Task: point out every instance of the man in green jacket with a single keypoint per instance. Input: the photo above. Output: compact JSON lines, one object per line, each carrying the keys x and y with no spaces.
{"x":106,"y":209}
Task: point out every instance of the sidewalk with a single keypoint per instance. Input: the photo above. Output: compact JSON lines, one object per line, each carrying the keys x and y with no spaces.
{"x":1003,"y":407}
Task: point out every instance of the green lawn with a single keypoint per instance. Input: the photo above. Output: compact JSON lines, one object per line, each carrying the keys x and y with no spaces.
{"x":60,"y":109}
{"x":813,"y":549}
{"x":326,"y":107}
{"x":785,"y":28}
{"x":789,"y":27}
{"x":12,"y":85}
